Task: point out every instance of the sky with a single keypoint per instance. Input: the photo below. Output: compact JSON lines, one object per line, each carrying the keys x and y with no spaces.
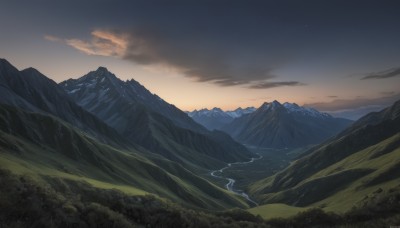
{"x":338,"y":56}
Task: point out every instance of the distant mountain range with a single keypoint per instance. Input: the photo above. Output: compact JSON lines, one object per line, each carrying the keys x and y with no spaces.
{"x":276,"y":125}
{"x":217,"y":118}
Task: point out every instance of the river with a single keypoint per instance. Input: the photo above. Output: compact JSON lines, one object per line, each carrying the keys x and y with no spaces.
{"x":231,"y":181}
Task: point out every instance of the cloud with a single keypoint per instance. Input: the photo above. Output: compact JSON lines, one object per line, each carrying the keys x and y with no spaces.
{"x":355,"y":108}
{"x":220,"y":66}
{"x":332,"y":96}
{"x":103,"y":43}
{"x":269,"y":85}
{"x":350,"y":104}
{"x":387,"y":93}
{"x":52,"y":38}
{"x":393,"y":72}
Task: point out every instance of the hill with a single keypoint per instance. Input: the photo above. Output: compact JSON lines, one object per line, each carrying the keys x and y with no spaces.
{"x":359,"y":163}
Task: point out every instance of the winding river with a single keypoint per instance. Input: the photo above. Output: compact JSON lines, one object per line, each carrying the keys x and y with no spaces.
{"x":229,"y":186}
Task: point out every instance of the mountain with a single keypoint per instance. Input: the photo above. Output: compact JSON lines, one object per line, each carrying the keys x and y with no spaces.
{"x":54,"y":151}
{"x":149,"y":121}
{"x":108,"y":89}
{"x":359,"y":164}
{"x":211,"y":119}
{"x":32,"y":91}
{"x":47,"y":137}
{"x":217,"y":118}
{"x":240,"y":111}
{"x":276,"y":125}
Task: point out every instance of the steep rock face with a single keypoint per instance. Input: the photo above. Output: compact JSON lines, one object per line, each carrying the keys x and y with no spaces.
{"x":149,"y":121}
{"x":276,"y":125}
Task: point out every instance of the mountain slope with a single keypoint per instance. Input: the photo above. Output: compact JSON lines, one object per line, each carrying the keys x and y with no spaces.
{"x":97,"y":89}
{"x":216,"y":118}
{"x":151,"y":122}
{"x":360,"y":162}
{"x":211,"y":119}
{"x":43,"y":146}
{"x":32,"y":91}
{"x":274,"y":125}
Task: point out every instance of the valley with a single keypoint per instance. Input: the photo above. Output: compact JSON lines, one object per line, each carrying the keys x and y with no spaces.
{"x":237,"y":177}
{"x":118,"y":146}
{"x":230,"y":185}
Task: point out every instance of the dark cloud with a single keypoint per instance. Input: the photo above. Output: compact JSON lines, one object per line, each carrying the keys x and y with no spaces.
{"x":350,"y":104}
{"x":269,"y":85}
{"x":356,"y":113}
{"x":201,"y":64}
{"x":393,"y":72}
{"x":332,"y":96}
{"x":387,"y":93}
{"x":228,"y":42}
{"x":355,"y":108}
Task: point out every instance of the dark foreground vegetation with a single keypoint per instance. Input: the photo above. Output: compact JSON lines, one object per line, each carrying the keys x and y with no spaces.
{"x":25,"y":202}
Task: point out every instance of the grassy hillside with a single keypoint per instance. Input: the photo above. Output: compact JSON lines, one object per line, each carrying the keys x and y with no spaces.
{"x":42,"y":146}
{"x":359,"y":163}
{"x":61,"y":202}
{"x":278,"y":210}
{"x":27,"y":202}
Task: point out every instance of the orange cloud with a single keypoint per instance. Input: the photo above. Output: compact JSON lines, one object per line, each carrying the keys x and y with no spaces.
{"x":103,"y":43}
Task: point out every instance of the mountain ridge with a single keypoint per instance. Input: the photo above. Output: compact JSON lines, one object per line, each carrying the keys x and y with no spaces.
{"x":32,"y":91}
{"x":276,"y":125}
{"x":138,"y":114}
{"x":216,"y":118}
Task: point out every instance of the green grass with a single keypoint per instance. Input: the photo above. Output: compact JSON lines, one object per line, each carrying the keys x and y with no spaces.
{"x":277,"y":210}
{"x":348,"y":191}
{"x":66,"y":153}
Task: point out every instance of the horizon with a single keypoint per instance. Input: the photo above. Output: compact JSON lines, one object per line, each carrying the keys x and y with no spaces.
{"x":239,"y":55}
{"x":350,"y":116}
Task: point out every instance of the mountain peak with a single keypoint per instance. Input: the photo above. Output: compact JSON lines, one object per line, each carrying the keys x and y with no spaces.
{"x":102,"y":69}
{"x":276,"y":103}
{"x":287,"y":104}
{"x":5,"y":64}
{"x":103,"y":72}
{"x":4,"y":61}
{"x":215,"y":109}
{"x":31,"y":70}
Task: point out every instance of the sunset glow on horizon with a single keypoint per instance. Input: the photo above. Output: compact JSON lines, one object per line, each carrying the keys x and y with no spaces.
{"x":225,"y":54}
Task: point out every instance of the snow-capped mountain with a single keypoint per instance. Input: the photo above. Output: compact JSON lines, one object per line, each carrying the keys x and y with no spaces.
{"x":217,"y":118}
{"x":32,"y":91}
{"x":99,"y":91}
{"x":147,"y":120}
{"x":306,"y":111}
{"x":240,"y":112}
{"x":276,"y":125}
